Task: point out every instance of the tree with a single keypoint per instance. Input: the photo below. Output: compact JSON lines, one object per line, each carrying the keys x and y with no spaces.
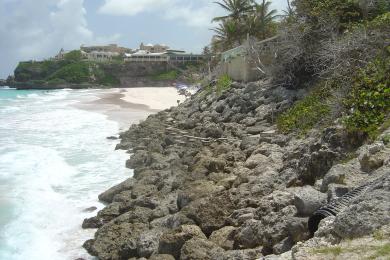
{"x":237,"y":9}
{"x":227,"y":34}
{"x":262,"y":20}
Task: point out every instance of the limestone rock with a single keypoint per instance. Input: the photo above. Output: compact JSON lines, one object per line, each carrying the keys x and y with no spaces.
{"x":172,"y":241}
{"x":147,"y":243}
{"x":211,"y":213}
{"x":162,"y":257}
{"x":368,"y":160}
{"x":199,"y":249}
{"x":197,"y":190}
{"x":224,"y":237}
{"x":307,"y":200}
{"x":116,"y":241}
{"x":364,"y":215}
{"x":108,"y":195}
{"x":257,"y":160}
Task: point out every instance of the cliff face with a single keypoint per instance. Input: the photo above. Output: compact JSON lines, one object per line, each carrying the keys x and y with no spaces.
{"x":83,"y":74}
{"x":215,"y":179}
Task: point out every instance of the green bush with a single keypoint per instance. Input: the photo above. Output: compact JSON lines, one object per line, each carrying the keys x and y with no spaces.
{"x":169,"y":75}
{"x":73,"y":73}
{"x":38,"y":70}
{"x":109,"y":80}
{"x":223,"y":83}
{"x":56,"y":82}
{"x":73,"y":56}
{"x":305,"y":114}
{"x":369,"y":101}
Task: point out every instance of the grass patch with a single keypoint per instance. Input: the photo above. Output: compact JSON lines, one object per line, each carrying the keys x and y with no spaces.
{"x":207,"y":90}
{"x":169,"y":75}
{"x":386,"y":139}
{"x":379,"y":235}
{"x":336,"y":250}
{"x":382,"y":251}
{"x":304,"y":115}
{"x":223,"y":83}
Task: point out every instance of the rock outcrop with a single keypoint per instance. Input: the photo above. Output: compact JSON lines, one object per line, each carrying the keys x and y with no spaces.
{"x":213,"y":179}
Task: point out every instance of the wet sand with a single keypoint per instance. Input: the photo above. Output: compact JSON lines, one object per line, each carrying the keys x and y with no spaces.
{"x":130,"y":106}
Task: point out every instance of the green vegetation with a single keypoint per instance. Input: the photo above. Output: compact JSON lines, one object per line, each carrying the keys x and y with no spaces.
{"x":72,"y":69}
{"x":73,"y":73}
{"x":374,"y":252}
{"x":244,"y":17}
{"x":369,"y":101}
{"x":386,"y":139}
{"x":169,"y":75}
{"x":223,"y":83}
{"x":30,"y":70}
{"x":305,"y":114}
{"x":73,"y":56}
{"x":382,"y":251}
{"x":335,"y":250}
{"x":379,"y":235}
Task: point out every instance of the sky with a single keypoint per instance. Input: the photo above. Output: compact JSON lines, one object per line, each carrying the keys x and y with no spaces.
{"x":38,"y":29}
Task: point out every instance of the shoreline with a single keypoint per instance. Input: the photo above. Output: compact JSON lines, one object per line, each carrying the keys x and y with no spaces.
{"x":132,"y":105}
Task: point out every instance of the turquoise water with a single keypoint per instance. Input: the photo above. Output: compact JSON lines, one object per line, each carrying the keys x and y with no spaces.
{"x":54,"y":161}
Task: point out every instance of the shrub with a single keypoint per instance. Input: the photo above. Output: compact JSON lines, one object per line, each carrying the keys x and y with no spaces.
{"x":369,"y":100}
{"x":169,"y":75}
{"x":223,"y":83}
{"x":73,"y":56}
{"x":73,"y":73}
{"x":56,"y":82}
{"x":305,"y":114}
{"x":109,"y":80}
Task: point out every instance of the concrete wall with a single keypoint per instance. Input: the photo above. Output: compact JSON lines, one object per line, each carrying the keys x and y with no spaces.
{"x":240,"y":64}
{"x":240,"y":69}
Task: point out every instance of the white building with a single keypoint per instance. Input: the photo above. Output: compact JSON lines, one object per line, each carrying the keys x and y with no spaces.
{"x":101,"y":56}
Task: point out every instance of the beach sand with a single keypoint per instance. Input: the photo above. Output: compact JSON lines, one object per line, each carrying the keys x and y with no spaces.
{"x":131,"y":105}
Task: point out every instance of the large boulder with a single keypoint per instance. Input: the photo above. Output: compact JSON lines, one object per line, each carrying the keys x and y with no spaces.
{"x":249,"y":235}
{"x":199,"y":249}
{"x":108,"y":195}
{"x":197,"y":190}
{"x":307,"y":200}
{"x":211,"y":212}
{"x":370,"y":157}
{"x":366,"y":214}
{"x":224,"y":237}
{"x":147,"y":242}
{"x":241,"y":254}
{"x":172,"y":240}
{"x":161,"y":257}
{"x":337,"y":174}
{"x":116,"y":241}
{"x":257,"y":160}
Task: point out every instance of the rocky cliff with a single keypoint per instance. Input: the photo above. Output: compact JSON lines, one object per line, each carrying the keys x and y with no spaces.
{"x":215,"y":179}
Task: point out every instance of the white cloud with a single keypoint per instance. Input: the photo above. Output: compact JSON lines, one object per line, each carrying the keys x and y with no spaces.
{"x":132,"y":7}
{"x":196,"y":13}
{"x":32,"y":29}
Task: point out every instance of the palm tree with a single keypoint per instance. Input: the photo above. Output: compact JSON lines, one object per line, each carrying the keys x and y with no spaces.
{"x":236,"y":8}
{"x":227,"y":34}
{"x":262,"y":20}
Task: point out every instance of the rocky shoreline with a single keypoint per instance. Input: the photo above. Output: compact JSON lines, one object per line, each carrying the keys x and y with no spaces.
{"x":213,"y":179}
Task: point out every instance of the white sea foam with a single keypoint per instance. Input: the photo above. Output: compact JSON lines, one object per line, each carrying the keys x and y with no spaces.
{"x":54,"y":161}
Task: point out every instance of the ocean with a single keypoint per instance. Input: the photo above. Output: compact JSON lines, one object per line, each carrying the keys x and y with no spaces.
{"x":54,"y":161}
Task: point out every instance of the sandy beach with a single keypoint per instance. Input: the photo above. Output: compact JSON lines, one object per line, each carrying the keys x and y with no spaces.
{"x":130,"y":105}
